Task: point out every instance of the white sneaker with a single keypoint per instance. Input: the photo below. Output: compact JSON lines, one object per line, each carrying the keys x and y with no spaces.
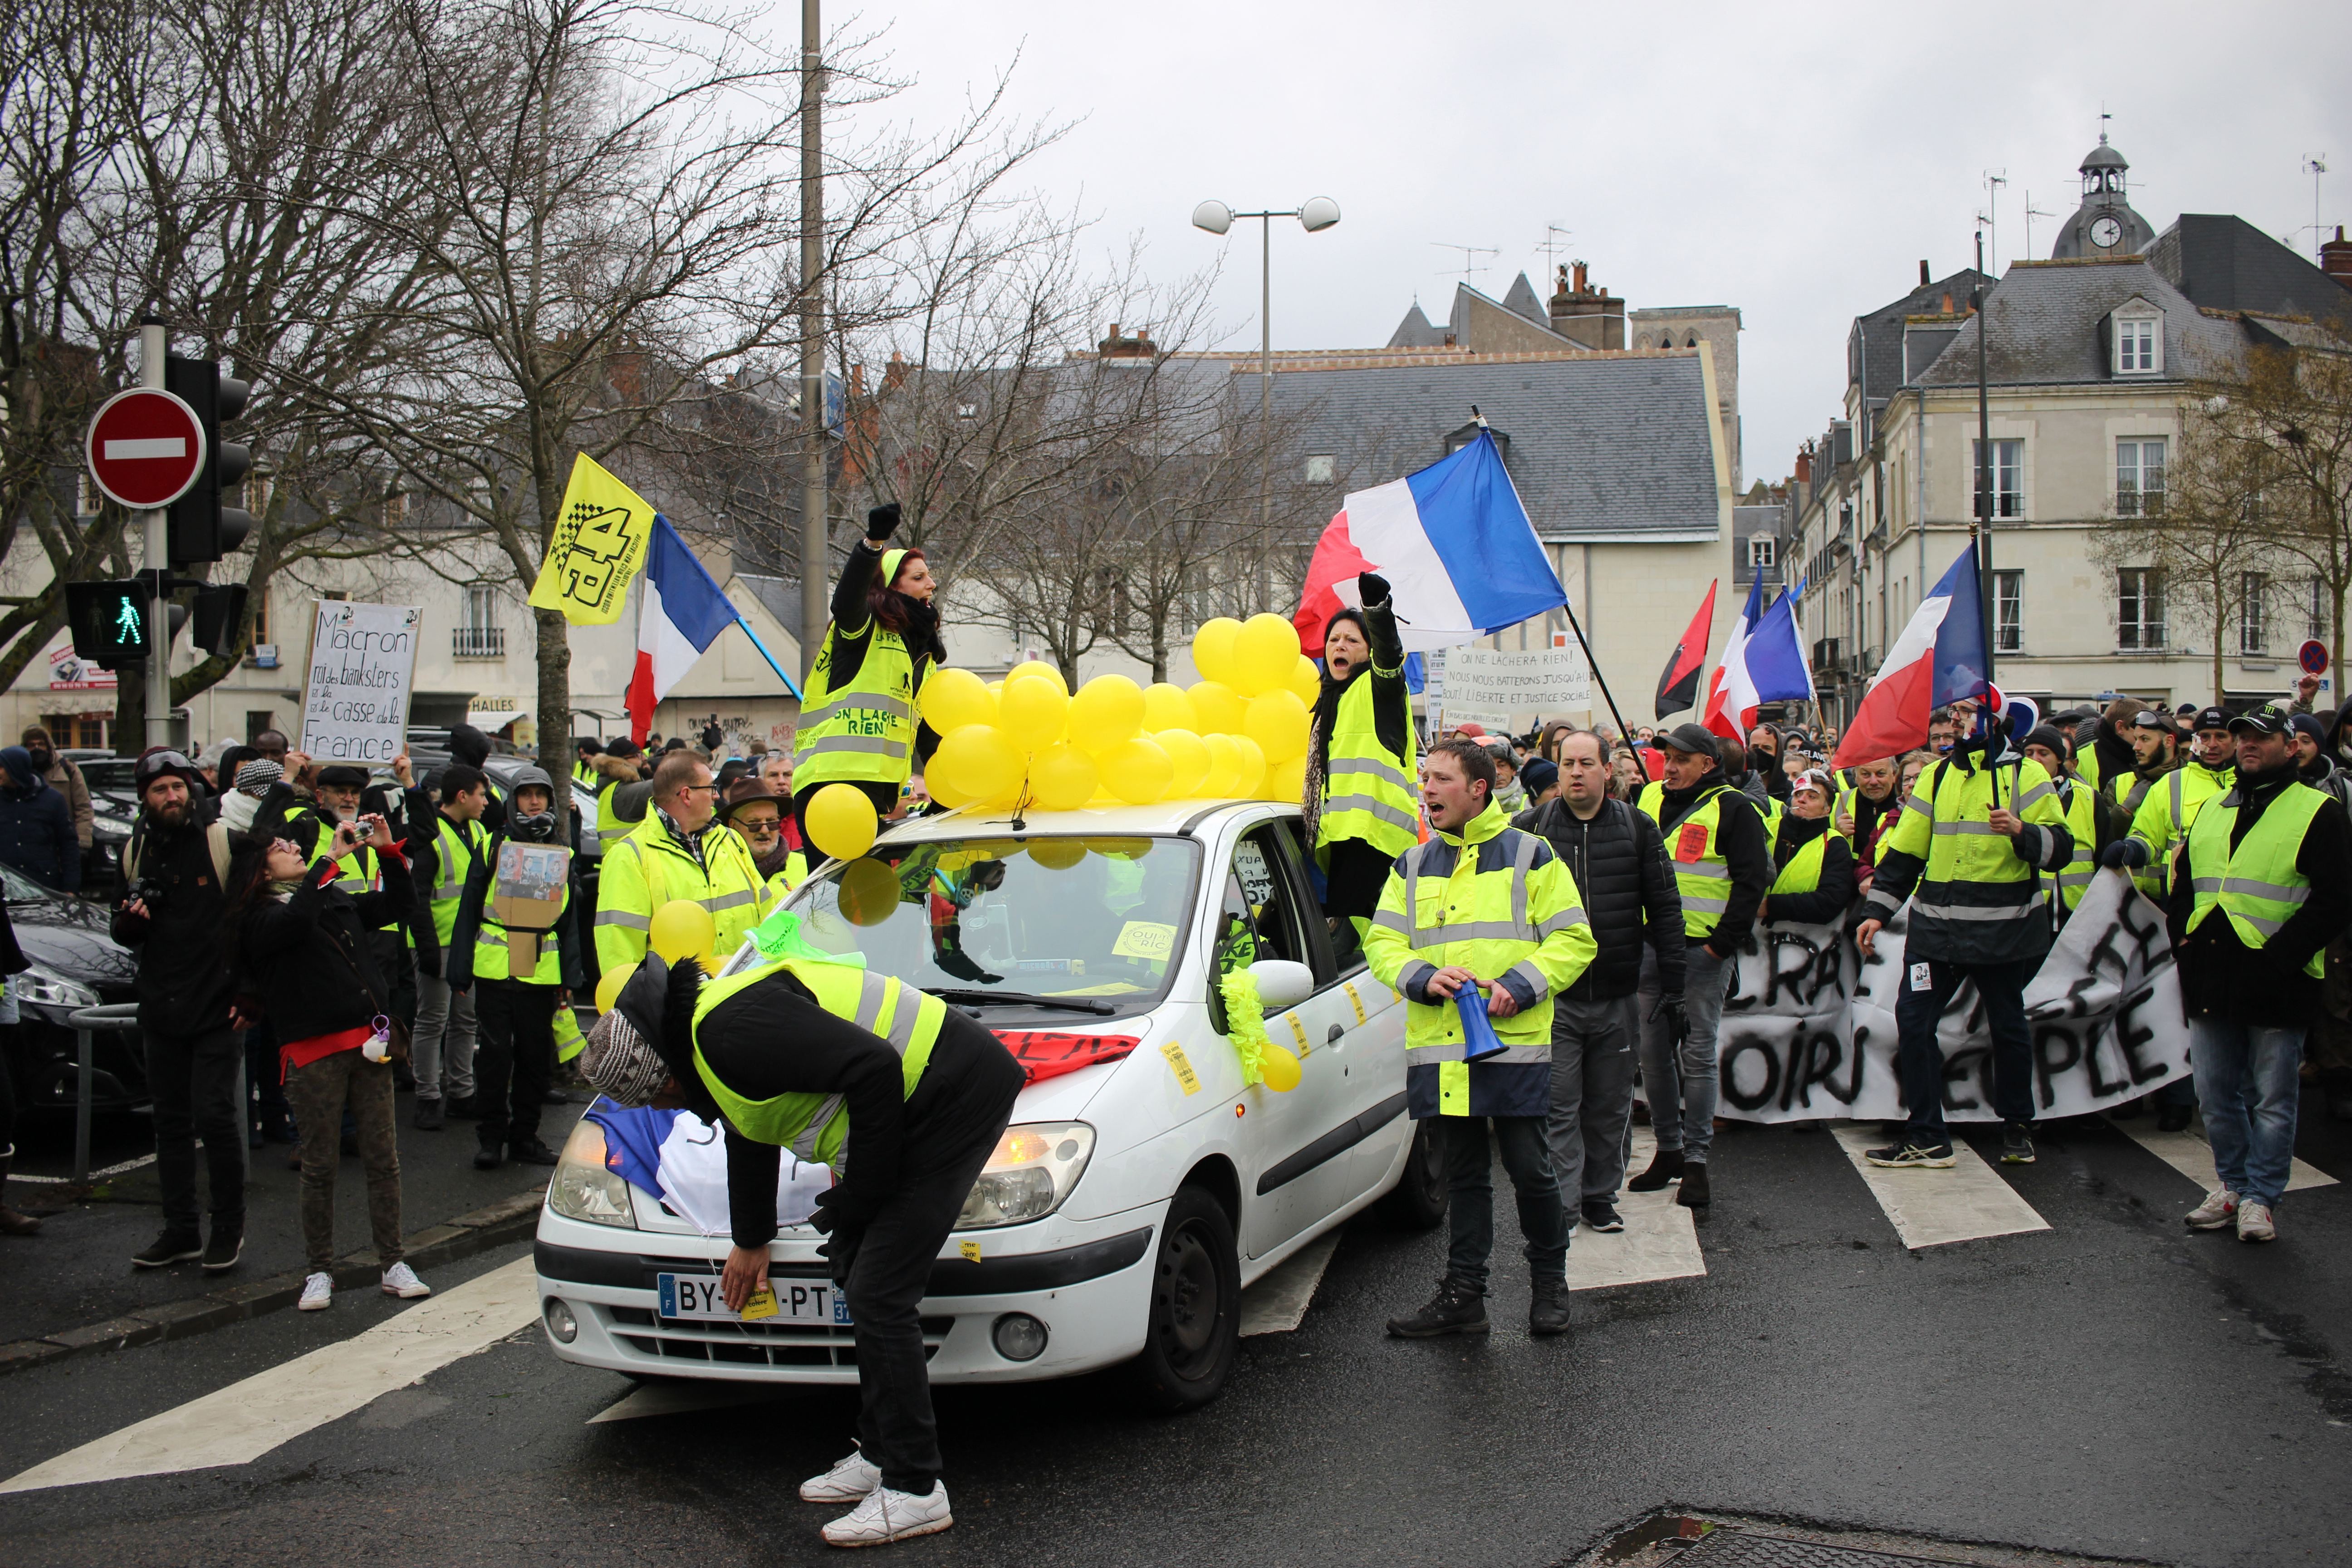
{"x":2220,"y":1207}
{"x":848,"y":1480}
{"x":2254,"y":1222}
{"x":318,"y":1293}
{"x":887,"y":1516}
{"x":401,"y":1281}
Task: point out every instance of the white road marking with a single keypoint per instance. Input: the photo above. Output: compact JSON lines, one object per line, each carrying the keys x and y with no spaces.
{"x":94,"y":1176}
{"x":2188,"y":1153}
{"x":1935,"y":1208}
{"x":238,"y":1424}
{"x":688,"y":1395}
{"x":1660,"y":1241}
{"x":1277,"y":1303}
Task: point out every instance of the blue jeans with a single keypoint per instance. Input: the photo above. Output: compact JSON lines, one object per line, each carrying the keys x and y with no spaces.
{"x":1682,"y":1083}
{"x":1470,"y":1181}
{"x":2249,"y":1078}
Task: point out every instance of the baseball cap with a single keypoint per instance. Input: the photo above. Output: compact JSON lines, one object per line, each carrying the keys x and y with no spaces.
{"x":2260,"y":721}
{"x":1693,"y":738}
{"x":2211,"y":719}
{"x":1477,"y":730}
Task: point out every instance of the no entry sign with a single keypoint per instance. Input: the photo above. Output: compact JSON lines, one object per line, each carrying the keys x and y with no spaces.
{"x":145,"y":448}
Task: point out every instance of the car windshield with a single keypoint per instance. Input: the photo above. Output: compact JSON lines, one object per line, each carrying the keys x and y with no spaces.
{"x":109,"y":773}
{"x":1076,"y":918}
{"x":22,"y":890}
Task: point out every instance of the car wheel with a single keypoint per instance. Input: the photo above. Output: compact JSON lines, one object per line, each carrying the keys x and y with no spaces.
{"x":1194,"y":1333}
{"x":1418,"y":1199}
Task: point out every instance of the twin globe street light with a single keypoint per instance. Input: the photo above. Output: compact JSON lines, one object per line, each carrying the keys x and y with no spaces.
{"x":1314,"y":214}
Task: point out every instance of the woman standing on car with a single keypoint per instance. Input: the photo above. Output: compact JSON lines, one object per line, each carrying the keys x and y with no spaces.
{"x":859,"y":726}
{"x":1362,"y":797}
{"x":298,"y":945}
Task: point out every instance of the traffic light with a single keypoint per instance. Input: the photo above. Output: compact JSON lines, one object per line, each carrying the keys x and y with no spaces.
{"x":219,"y":607}
{"x":201,"y":527}
{"x":110,"y":621}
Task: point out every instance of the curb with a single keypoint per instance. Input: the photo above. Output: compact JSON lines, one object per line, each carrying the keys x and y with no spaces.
{"x":509,"y":1219}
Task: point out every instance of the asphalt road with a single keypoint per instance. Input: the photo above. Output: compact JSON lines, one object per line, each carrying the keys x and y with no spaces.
{"x":2109,"y":1386}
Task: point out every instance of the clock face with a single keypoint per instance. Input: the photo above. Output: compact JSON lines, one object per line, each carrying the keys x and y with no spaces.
{"x":2104,"y":232}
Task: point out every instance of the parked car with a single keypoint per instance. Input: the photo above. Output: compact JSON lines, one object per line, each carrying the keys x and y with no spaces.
{"x":114,"y":808}
{"x":75,"y":965}
{"x":1130,"y":1201}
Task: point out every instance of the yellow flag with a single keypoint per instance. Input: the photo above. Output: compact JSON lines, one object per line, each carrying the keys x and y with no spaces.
{"x":600,"y":544}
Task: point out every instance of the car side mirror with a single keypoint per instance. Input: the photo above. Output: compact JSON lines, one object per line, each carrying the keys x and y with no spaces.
{"x":1282,"y":982}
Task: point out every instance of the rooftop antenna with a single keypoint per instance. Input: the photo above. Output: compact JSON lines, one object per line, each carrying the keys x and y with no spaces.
{"x":1553,"y":235}
{"x":1994,"y":180}
{"x":2315,"y":167}
{"x":1469,"y":267}
{"x":2031,"y":212}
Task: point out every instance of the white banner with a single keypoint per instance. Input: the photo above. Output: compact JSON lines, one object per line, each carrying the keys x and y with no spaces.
{"x":355,"y":694}
{"x":1500,"y":688}
{"x":1809,"y":1031}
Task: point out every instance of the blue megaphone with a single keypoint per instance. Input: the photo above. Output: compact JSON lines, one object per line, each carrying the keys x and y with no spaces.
{"x":1478,"y":1036}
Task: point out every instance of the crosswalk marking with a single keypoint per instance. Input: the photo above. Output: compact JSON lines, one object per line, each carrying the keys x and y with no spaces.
{"x":238,"y":1424}
{"x":1660,"y":1241}
{"x":1935,"y":1208}
{"x":1277,"y":1302}
{"x":2188,"y":1153}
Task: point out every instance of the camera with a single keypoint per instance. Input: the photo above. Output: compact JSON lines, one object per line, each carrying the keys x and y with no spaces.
{"x":148,"y":891}
{"x":364,"y":830}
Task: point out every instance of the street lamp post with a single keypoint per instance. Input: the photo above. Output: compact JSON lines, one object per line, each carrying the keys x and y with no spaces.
{"x":1314,"y":214}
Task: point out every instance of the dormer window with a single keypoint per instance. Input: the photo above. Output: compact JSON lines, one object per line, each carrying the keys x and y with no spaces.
{"x":2139,"y":340}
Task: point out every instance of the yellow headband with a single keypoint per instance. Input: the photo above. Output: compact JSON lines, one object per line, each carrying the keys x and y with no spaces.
{"x":890,"y":559}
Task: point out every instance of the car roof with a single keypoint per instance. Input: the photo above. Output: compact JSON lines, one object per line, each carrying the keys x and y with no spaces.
{"x":1183,"y":818}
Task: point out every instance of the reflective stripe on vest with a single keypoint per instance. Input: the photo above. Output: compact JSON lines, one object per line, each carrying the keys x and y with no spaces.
{"x":1367,"y":794}
{"x":865,"y":731}
{"x":454,"y":851}
{"x":2069,"y":886}
{"x":815,"y":1127}
{"x":2256,"y":885}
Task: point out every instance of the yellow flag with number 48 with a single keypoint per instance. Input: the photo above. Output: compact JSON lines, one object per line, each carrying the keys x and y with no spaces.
{"x":600,"y":544}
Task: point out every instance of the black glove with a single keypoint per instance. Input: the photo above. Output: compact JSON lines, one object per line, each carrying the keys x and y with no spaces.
{"x":1373,"y":588}
{"x":882,"y":522}
{"x":2124,"y":853}
{"x":1678,"y":1018}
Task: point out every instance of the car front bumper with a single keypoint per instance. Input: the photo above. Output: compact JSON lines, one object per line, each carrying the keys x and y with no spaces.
{"x":1086,"y":1281}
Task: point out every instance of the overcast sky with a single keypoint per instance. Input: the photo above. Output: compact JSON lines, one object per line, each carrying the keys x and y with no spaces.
{"x":1794,"y":160}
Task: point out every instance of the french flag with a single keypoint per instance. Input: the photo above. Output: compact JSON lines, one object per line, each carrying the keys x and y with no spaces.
{"x":1730,"y":700}
{"x":1939,"y":658}
{"x":1455,"y":542}
{"x":680,"y":613}
{"x":1765,"y":661}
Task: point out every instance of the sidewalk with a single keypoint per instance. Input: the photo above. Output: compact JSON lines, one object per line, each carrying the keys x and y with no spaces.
{"x":72,"y":1289}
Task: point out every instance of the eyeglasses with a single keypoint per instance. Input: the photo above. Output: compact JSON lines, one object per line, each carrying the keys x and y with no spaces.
{"x":761,"y":830}
{"x":690,"y":789}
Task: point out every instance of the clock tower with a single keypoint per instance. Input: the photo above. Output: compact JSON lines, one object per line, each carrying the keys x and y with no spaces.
{"x":2105,"y":224}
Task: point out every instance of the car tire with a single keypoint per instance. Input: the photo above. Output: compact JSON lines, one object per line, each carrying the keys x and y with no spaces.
{"x":1193,"y":1334}
{"x":1418,"y":1199}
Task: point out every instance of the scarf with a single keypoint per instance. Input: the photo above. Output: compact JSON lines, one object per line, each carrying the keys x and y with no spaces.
{"x":689,"y":842}
{"x":237,"y":810}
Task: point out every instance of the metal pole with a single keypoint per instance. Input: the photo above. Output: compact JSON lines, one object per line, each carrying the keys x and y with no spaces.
{"x":1984,"y":468}
{"x":153,"y":345}
{"x":82,"y":1106}
{"x":1266,"y":371}
{"x":1593,"y":664}
{"x":812,"y":400}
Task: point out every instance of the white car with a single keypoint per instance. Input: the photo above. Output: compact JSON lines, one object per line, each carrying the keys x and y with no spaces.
{"x":1130,"y":1201}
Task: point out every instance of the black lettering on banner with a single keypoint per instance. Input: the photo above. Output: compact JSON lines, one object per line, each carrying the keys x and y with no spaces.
{"x":1821,"y":1054}
{"x":2131,"y":1034}
{"x":1732,"y":1051}
{"x":2101,"y":1085}
{"x":2048,"y":1063}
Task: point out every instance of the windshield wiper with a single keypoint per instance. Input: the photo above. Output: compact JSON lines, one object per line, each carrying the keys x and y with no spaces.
{"x":1021,"y":999}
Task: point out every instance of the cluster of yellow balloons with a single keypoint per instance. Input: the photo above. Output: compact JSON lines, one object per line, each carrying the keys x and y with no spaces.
{"x":1238,"y":733}
{"x":682,"y":930}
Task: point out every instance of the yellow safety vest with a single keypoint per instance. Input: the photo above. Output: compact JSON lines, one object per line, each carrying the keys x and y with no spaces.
{"x":1370,"y":792}
{"x":592,"y":829}
{"x":2256,"y":885}
{"x":455,"y":850}
{"x":865,"y":731}
{"x":1802,"y":874}
{"x":492,"y":955}
{"x":1702,"y":874}
{"x":643,"y":870}
{"x":1971,"y":879}
{"x":2082,"y":820}
{"x":2164,"y":816}
{"x":362,"y":873}
{"x":815,"y":1126}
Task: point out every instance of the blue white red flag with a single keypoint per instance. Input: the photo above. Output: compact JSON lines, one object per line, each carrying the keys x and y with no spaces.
{"x":680,"y":613}
{"x":1730,"y":696}
{"x":1939,"y":658}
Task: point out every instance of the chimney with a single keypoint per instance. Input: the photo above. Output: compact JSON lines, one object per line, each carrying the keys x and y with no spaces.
{"x":2336,"y":257}
{"x":1584,"y":314}
{"x":1580,"y":277}
{"x":1805,"y":464}
{"x":1924,"y":278}
{"x":1140,"y":346}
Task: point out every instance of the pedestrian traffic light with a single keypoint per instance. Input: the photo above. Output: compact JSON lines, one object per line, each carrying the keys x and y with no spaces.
{"x":220,"y":607}
{"x":108,"y":621}
{"x":203,"y":527}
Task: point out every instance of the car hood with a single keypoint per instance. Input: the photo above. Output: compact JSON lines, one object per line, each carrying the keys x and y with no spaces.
{"x":69,"y":937}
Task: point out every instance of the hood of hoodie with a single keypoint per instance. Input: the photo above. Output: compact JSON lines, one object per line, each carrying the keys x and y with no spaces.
{"x":539,"y":827}
{"x":468,"y":745}
{"x":22,"y":776}
{"x":2339,"y":734}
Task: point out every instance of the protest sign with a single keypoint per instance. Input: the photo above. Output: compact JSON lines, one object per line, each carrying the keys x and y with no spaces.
{"x":1809,"y":1025}
{"x":1497,"y":688}
{"x":361,"y":669}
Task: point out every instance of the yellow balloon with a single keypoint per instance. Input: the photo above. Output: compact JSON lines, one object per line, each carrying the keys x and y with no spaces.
{"x":954,"y":698}
{"x":1061,"y":778}
{"x":1265,"y":652}
{"x":1166,"y":707}
{"x":1137,"y":772}
{"x":1107,"y":711}
{"x":1278,"y":1067}
{"x":1224,"y":768}
{"x":682,"y":927}
{"x":1277,"y":720}
{"x":1058,"y":854}
{"x":840,"y":821}
{"x":944,"y":789}
{"x":608,"y":989}
{"x":1286,"y":781}
{"x":1212,"y":648}
{"x":869,"y":893}
{"x":1306,"y":680}
{"x":1253,"y":766}
{"x":978,"y":763}
{"x":1188,"y":762}
{"x":1038,"y":669}
{"x":1032,"y":713}
{"x":1218,"y":706}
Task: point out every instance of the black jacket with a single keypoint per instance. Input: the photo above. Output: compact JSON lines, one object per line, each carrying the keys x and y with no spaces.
{"x":1618,"y":861}
{"x":1739,"y":835}
{"x":307,"y":962}
{"x":458,"y":964}
{"x":2220,"y":977}
{"x":183,"y":987}
{"x":1827,"y":904}
{"x":36,"y":836}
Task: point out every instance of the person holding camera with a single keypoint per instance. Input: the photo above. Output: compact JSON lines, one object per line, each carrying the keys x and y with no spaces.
{"x":169,"y":910}
{"x":299,"y":944}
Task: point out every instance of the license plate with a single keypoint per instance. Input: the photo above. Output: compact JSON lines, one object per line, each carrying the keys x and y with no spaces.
{"x":697,"y":1297}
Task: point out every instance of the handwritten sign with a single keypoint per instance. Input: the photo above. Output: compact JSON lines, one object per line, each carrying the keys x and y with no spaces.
{"x":363,"y":668}
{"x":1498,"y":688}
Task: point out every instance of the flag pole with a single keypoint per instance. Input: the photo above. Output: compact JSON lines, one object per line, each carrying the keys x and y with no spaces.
{"x":1593,"y":664}
{"x":790,"y":684}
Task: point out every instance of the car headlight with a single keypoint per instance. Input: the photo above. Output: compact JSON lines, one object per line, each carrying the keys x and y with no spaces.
{"x":583,"y":1188}
{"x":1032,"y":1172}
{"x":47,"y":988}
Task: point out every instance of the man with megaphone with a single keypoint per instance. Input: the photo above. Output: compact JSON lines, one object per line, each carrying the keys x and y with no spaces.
{"x":1479,"y":929}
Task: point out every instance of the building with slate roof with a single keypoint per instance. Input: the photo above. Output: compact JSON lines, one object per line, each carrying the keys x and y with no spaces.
{"x":2224,"y":263}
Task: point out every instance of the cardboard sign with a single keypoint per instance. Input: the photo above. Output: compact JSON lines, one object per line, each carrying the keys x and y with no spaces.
{"x":1499,"y":688}
{"x":527,"y":888}
{"x":355,"y":694}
